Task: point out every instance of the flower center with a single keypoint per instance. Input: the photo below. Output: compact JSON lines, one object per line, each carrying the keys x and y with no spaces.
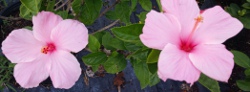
{"x":187,"y":45}
{"x":49,"y":48}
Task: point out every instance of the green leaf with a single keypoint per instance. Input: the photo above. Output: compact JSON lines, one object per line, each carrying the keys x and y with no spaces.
{"x":128,"y":33}
{"x":121,"y":11}
{"x":154,"y":79}
{"x":246,"y":5}
{"x":93,"y":44}
{"x":63,"y":14}
{"x":146,"y":4}
{"x":241,"y":59}
{"x":87,"y":10}
{"x":140,"y":54}
{"x":142,"y":16}
{"x":153,"y":56}
{"x":243,"y":85}
{"x":247,"y":72}
{"x":159,"y":5}
{"x":115,"y":63}
{"x":50,"y":5}
{"x":152,"y":67}
{"x":209,"y":83}
{"x":131,"y":46}
{"x":233,"y":9}
{"x":133,"y":5}
{"x":28,"y":27}
{"x":95,"y":67}
{"x":32,"y":5}
{"x":111,"y":43}
{"x":25,"y":13}
{"x":248,"y":1}
{"x":99,"y":36}
{"x":95,"y":58}
{"x":245,"y":20}
{"x":142,"y":73}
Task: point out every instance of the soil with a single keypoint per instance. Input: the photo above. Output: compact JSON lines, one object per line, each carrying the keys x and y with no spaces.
{"x":9,"y":26}
{"x":240,"y":42}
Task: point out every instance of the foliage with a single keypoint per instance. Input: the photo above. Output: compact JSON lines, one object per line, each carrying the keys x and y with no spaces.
{"x":243,"y":60}
{"x":243,"y":14}
{"x":240,"y":12}
{"x":6,"y":70}
{"x":209,"y":83}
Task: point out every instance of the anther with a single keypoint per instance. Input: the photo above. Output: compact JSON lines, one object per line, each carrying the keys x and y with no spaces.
{"x":199,"y":19}
{"x":48,"y":48}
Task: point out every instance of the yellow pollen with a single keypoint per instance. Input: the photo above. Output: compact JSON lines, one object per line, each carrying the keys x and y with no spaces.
{"x":199,"y":19}
{"x":45,"y":50}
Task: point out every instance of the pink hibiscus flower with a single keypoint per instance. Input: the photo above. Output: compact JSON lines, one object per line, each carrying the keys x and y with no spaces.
{"x":190,"y":40}
{"x":45,"y":51}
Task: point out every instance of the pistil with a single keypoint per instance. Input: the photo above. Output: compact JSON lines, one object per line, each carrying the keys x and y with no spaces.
{"x":187,"y":44}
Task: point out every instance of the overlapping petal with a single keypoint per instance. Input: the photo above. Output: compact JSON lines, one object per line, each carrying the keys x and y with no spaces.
{"x":214,"y":61}
{"x":70,"y":35}
{"x":160,"y":30}
{"x":217,"y":26}
{"x":175,"y":64}
{"x":65,"y":69}
{"x":185,"y":10}
{"x":30,"y":74}
{"x":21,"y":46}
{"x":43,"y":24}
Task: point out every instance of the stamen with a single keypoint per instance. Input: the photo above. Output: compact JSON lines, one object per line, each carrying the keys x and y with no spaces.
{"x":187,"y":44}
{"x":199,"y":19}
{"x":48,"y":48}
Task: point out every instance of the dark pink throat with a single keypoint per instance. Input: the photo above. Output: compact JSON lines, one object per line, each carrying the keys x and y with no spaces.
{"x":187,"y":47}
{"x":49,"y":48}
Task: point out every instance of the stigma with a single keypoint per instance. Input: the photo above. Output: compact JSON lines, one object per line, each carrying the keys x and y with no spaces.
{"x":49,"y":48}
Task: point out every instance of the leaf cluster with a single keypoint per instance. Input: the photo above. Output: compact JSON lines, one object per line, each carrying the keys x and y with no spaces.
{"x":240,"y":12}
{"x":243,"y":60}
{"x":6,"y":72}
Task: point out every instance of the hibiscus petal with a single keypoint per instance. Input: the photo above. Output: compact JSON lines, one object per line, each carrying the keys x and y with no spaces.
{"x":21,"y":46}
{"x":217,"y":26}
{"x":30,"y":74}
{"x":174,"y":64}
{"x":70,"y":35}
{"x":185,"y":10}
{"x":65,"y":69}
{"x":160,"y":30}
{"x":43,"y":24}
{"x":213,"y":60}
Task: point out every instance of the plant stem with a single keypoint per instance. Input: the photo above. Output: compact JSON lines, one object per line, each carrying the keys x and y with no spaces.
{"x":68,"y":7}
{"x":10,"y":18}
{"x":106,"y":10}
{"x":58,"y":2}
{"x":106,"y":27}
{"x":87,"y":49}
{"x":59,"y":7}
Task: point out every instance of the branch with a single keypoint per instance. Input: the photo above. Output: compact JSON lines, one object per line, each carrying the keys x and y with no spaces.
{"x":10,"y":18}
{"x":62,"y":5}
{"x":106,"y":10}
{"x":106,"y":27}
{"x":68,"y":7}
{"x":87,"y":49}
{"x":58,"y":2}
